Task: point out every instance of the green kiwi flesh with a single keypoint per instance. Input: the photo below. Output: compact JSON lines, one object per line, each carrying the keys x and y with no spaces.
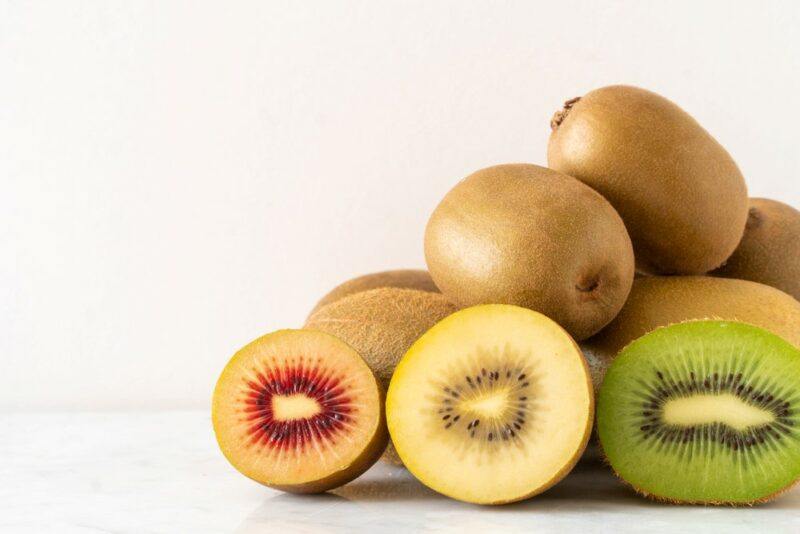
{"x":704,"y":412}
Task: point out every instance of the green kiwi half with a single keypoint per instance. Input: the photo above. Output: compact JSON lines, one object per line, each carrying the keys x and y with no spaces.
{"x":704,"y":412}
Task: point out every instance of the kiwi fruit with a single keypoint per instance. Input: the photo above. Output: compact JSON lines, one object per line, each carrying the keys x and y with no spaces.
{"x":403,"y":278}
{"x":492,"y":405}
{"x":662,"y":300}
{"x":381,"y":324}
{"x":681,"y":195}
{"x":769,"y":252}
{"x":300,"y":411}
{"x":525,"y":235}
{"x":704,"y":412}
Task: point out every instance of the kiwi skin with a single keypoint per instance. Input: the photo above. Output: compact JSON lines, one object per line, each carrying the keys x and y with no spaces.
{"x":381,"y":324}
{"x":657,"y":301}
{"x":681,"y":195}
{"x":769,"y":252}
{"x":525,"y":235}
{"x":403,"y":278}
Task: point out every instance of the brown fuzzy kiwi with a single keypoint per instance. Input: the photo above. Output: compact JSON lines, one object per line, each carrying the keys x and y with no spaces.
{"x":403,"y":278}
{"x":657,"y":301}
{"x":681,"y":195}
{"x":529,"y":236}
{"x":769,"y":252}
{"x":381,"y":324}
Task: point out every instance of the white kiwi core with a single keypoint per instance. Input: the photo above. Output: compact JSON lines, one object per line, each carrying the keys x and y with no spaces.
{"x":724,"y":408}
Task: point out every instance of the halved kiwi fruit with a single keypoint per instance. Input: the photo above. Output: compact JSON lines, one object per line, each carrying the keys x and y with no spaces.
{"x":492,"y":405}
{"x":300,"y":411}
{"x":400,"y":278}
{"x":704,"y":412}
{"x":769,"y":252}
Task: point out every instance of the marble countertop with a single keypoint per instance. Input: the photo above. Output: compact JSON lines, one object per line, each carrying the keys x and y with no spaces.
{"x":162,"y":473}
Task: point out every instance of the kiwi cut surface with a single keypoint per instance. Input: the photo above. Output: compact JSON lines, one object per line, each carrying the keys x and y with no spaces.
{"x":400,"y":278}
{"x":381,"y":324}
{"x":529,"y":236}
{"x":769,"y":252}
{"x":299,"y":410}
{"x":704,"y":412}
{"x":492,"y":405}
{"x":681,"y":195}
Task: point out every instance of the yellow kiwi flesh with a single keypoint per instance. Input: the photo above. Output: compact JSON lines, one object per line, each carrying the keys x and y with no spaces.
{"x":681,"y":195}
{"x":769,"y":252}
{"x":402,"y":278}
{"x":381,"y":324}
{"x":657,"y":301}
{"x":492,"y":405}
{"x":529,"y":236}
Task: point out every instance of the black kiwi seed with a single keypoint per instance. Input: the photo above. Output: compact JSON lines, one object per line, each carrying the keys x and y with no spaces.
{"x":456,"y":397}
{"x":735,"y":440}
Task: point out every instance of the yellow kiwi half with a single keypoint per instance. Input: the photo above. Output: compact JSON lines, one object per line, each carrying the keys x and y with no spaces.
{"x":381,"y":324}
{"x":529,"y":236}
{"x":769,"y":252}
{"x":492,"y":405}
{"x":402,"y":278}
{"x":681,"y":195}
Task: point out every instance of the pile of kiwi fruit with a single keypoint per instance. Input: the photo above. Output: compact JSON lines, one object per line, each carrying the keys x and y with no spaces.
{"x":629,"y":298}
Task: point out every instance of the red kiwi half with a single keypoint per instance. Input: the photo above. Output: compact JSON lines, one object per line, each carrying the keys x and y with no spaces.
{"x":300,"y":411}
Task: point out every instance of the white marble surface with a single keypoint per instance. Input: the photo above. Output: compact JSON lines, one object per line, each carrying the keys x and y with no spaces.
{"x":162,"y":473}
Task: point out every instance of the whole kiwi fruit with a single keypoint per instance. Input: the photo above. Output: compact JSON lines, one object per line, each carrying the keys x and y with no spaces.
{"x":769,"y":252}
{"x":529,"y":236}
{"x":403,"y":278}
{"x":681,"y":195}
{"x":381,"y":324}
{"x":657,"y":301}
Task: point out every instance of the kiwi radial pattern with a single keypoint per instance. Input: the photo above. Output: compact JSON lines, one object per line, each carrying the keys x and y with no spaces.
{"x":704,"y":412}
{"x":492,"y":405}
{"x":299,"y":410}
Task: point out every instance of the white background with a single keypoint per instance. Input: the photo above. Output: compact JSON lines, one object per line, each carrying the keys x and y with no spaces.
{"x":177,"y":178}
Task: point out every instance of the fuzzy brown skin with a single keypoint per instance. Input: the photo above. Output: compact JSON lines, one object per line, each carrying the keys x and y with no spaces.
{"x":381,"y":324}
{"x":526,"y":235}
{"x":769,"y":252}
{"x":657,"y":301}
{"x":681,"y":195}
{"x":402,"y":278}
